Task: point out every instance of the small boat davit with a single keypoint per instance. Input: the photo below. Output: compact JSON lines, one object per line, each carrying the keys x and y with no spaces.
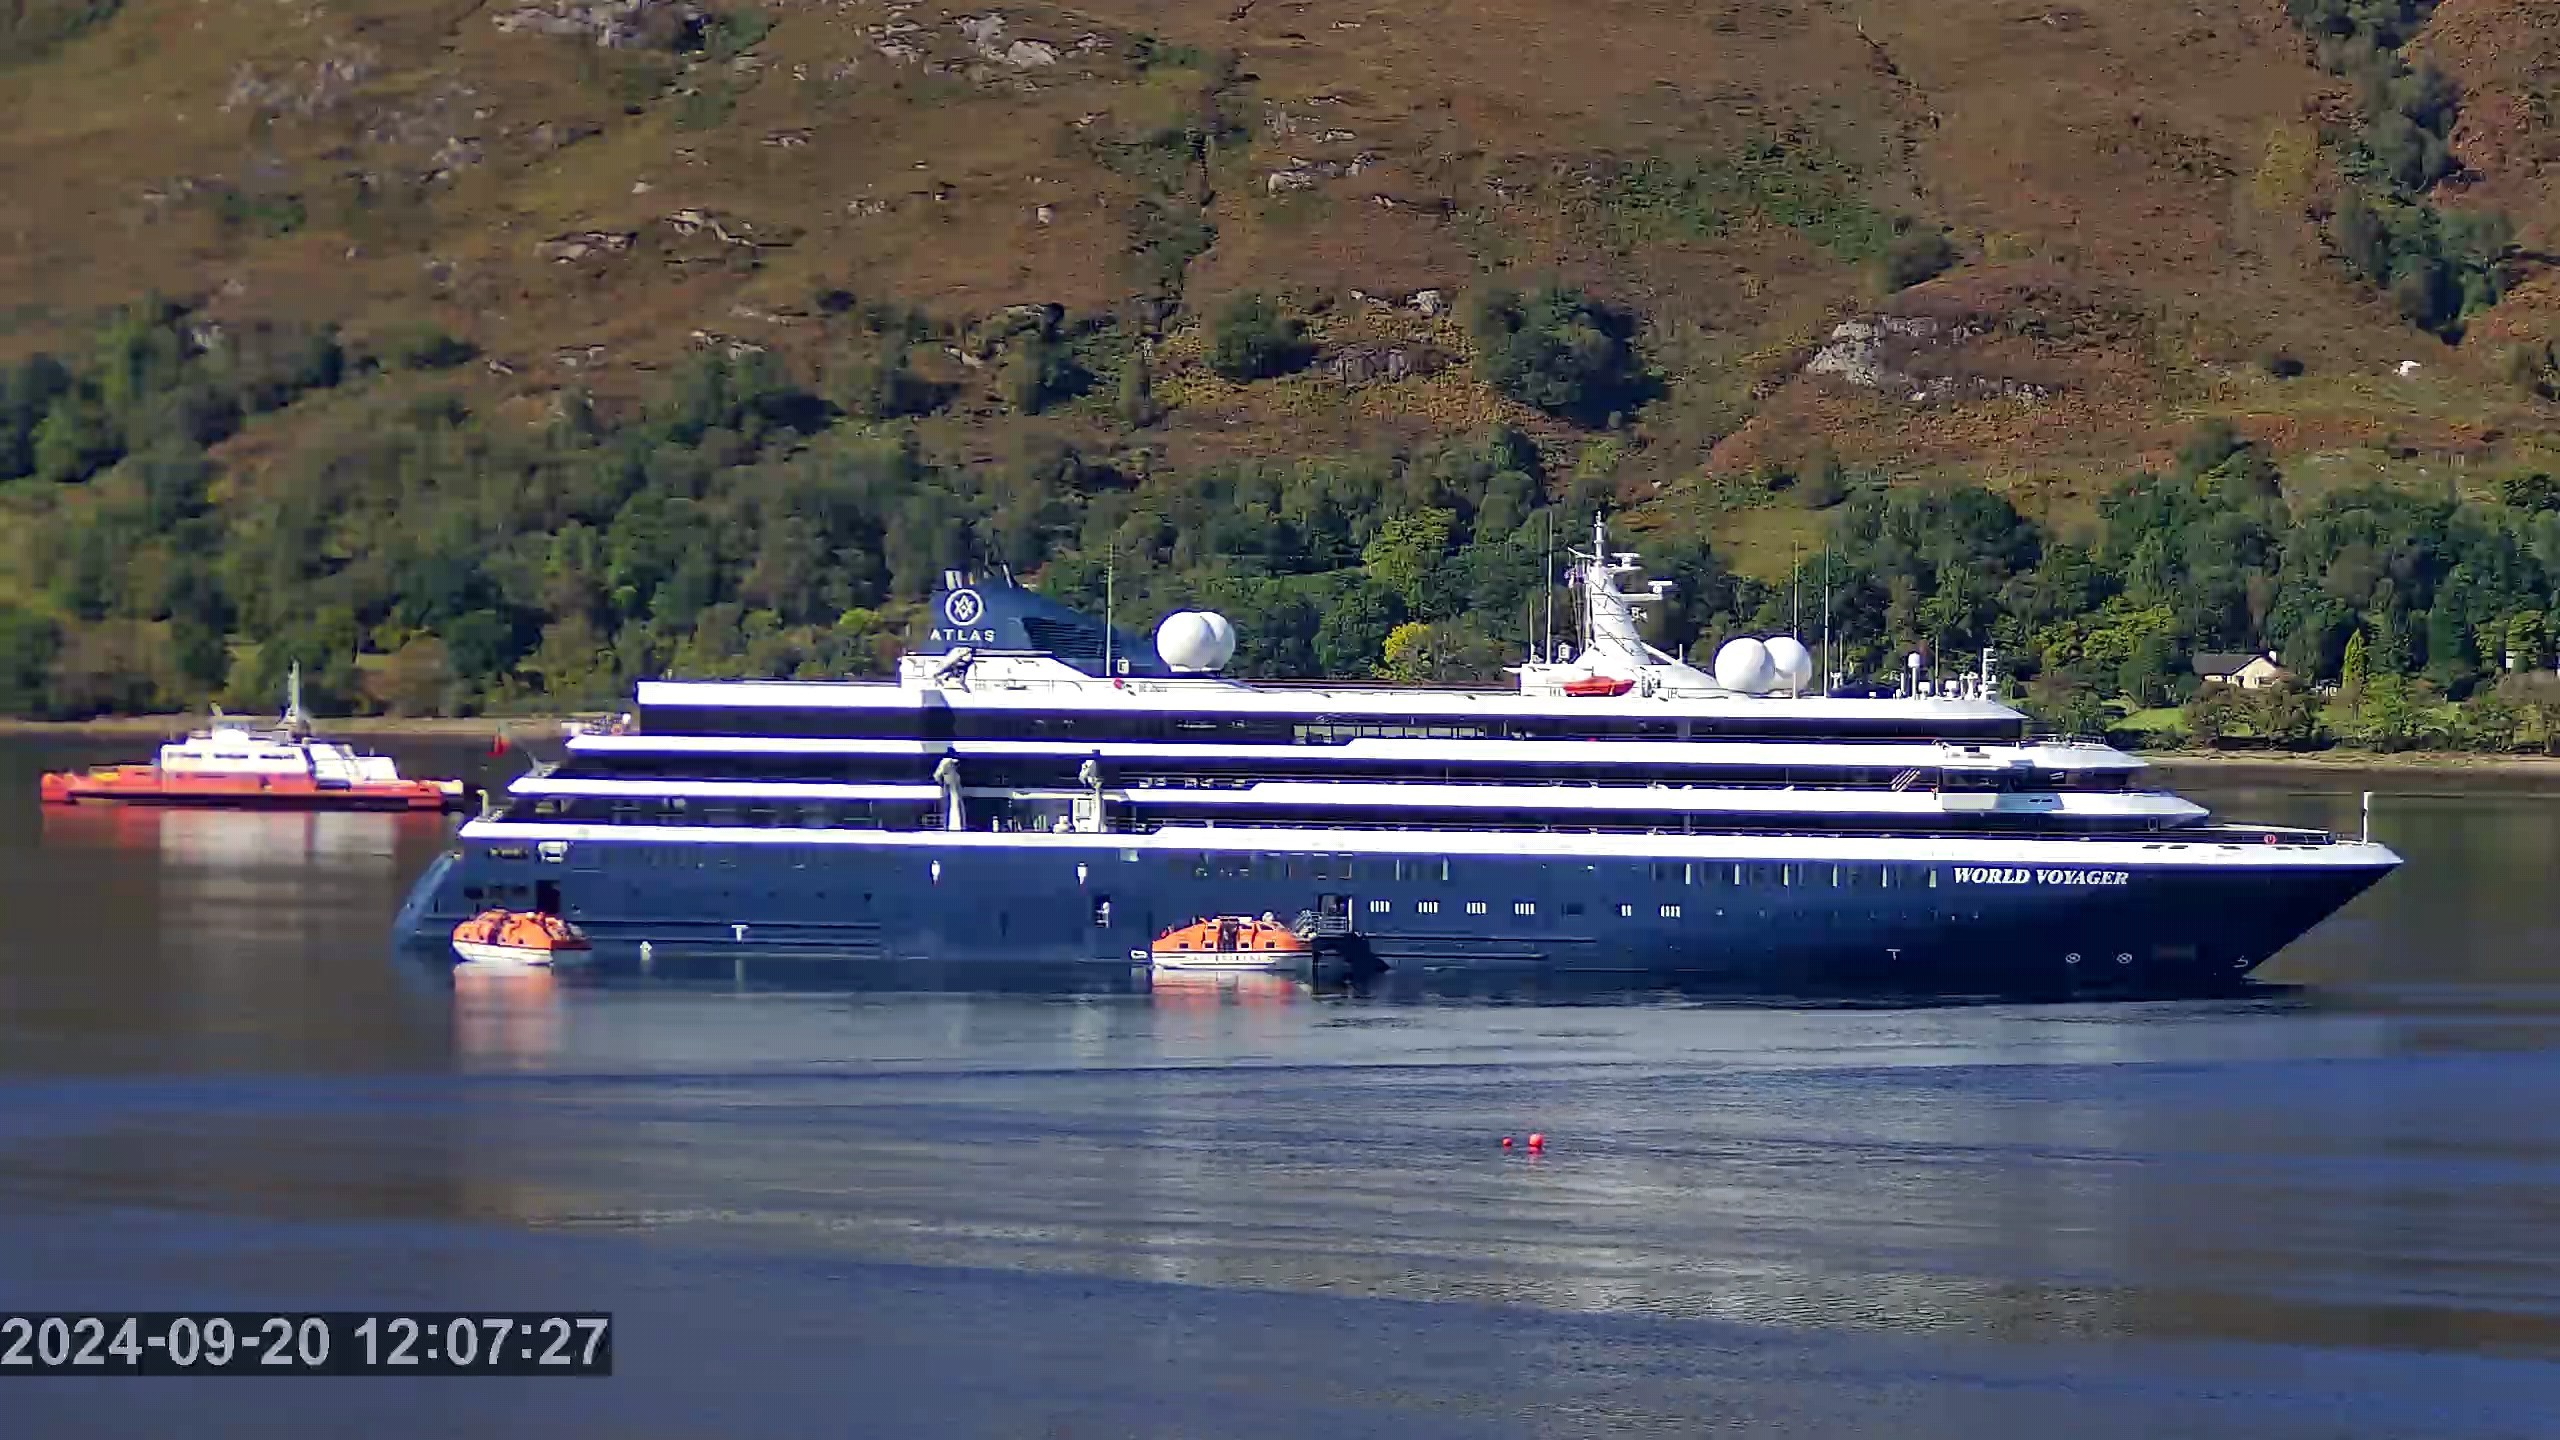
{"x":235,"y":764}
{"x":516,"y":938}
{"x":1230,"y":942}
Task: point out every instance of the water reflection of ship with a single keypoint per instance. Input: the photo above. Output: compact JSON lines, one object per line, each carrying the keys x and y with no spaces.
{"x":676,"y":970}
{"x":248,"y":838}
{"x":506,"y":1017}
{"x":1175,"y":989}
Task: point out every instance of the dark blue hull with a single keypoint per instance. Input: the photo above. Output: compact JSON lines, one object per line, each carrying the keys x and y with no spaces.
{"x":1801,"y":928}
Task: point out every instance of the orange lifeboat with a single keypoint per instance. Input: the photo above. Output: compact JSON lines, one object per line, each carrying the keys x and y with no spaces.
{"x":516,"y":937}
{"x":1230,"y":942}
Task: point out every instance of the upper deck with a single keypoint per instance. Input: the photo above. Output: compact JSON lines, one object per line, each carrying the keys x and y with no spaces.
{"x":993,"y":708}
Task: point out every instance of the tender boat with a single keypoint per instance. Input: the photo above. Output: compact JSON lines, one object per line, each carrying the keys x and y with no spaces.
{"x":237,"y":764}
{"x":516,"y":938}
{"x":1599,"y":686}
{"x":1230,"y":942}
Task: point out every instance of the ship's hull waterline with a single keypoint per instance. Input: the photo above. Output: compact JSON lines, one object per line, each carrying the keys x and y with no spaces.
{"x":1759,"y":914}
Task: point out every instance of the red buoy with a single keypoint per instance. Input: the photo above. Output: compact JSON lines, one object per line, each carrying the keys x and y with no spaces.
{"x":1537,"y":1141}
{"x":1506,"y":1142}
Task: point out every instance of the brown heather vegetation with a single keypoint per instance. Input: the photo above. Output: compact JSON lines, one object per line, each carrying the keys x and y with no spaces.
{"x":2069,"y":233}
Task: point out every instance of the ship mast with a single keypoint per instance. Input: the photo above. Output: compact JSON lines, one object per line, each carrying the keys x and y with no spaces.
{"x":295,"y":722}
{"x":1590,"y":575}
{"x":1547,"y":649}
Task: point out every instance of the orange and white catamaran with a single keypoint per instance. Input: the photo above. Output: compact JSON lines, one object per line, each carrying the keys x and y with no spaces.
{"x":238,"y":764}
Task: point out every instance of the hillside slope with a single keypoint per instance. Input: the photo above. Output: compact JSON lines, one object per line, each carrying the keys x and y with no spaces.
{"x":457,"y":276}
{"x":2127,"y":184}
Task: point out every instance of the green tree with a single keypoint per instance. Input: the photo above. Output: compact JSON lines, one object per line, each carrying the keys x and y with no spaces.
{"x":1351,"y":637}
{"x":2536,"y":696}
{"x":2063,"y":702}
{"x":2523,"y":641}
{"x":1252,"y":340}
{"x":1410,"y":654}
{"x":2354,"y":674}
{"x":28,"y":643}
{"x":324,"y":644}
{"x":873,"y":380}
{"x":2398,"y":714}
{"x":1037,"y":371}
{"x":2284,"y":714}
{"x":1560,"y":351}
{"x":1406,"y":549}
{"x":74,"y":441}
{"x":199,"y":654}
{"x":110,"y":667}
{"x":481,"y":645}
{"x":2213,"y":713}
{"x":2489,"y":722}
{"x":1917,"y":255}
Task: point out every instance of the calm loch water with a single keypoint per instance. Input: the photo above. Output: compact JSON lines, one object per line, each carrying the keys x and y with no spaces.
{"x":2323,"y":1212}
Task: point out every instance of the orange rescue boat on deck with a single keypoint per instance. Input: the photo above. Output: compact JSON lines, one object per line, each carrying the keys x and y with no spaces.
{"x":517,"y":937}
{"x":238,"y":765}
{"x":1230,"y":942}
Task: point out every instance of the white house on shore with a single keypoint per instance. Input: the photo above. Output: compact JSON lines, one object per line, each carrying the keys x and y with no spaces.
{"x":2240,"y":668}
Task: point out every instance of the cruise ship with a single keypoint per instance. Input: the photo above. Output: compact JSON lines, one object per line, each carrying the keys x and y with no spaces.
{"x":1036,"y":786}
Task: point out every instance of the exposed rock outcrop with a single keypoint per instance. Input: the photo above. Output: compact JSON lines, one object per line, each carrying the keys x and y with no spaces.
{"x":1914,"y":357}
{"x":1369,"y":364}
{"x":607,"y":24}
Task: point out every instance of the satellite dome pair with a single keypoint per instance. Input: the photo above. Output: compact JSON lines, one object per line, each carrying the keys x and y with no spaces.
{"x":1195,"y":640}
{"x":1756,"y":667}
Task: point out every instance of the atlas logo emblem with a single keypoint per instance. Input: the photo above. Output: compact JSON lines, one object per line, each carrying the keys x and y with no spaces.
{"x":963,"y":607}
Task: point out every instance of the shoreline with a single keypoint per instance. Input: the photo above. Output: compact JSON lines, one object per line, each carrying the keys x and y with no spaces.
{"x":422,"y":727}
{"x":2444,"y":761}
{"x":2517,"y":774}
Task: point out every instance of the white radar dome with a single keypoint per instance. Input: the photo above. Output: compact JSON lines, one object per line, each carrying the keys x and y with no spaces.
{"x":1744,"y":665}
{"x":1195,"y":640}
{"x":1791,"y":662}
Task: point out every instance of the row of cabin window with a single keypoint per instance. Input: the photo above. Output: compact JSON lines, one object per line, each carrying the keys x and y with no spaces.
{"x":942,"y":722}
{"x":1216,"y":772}
{"x":1053,"y":816}
{"x":1042,"y":816}
{"x":1712,"y":874}
{"x":1717,"y":874}
{"x":756,"y":814}
{"x":1521,"y":908}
